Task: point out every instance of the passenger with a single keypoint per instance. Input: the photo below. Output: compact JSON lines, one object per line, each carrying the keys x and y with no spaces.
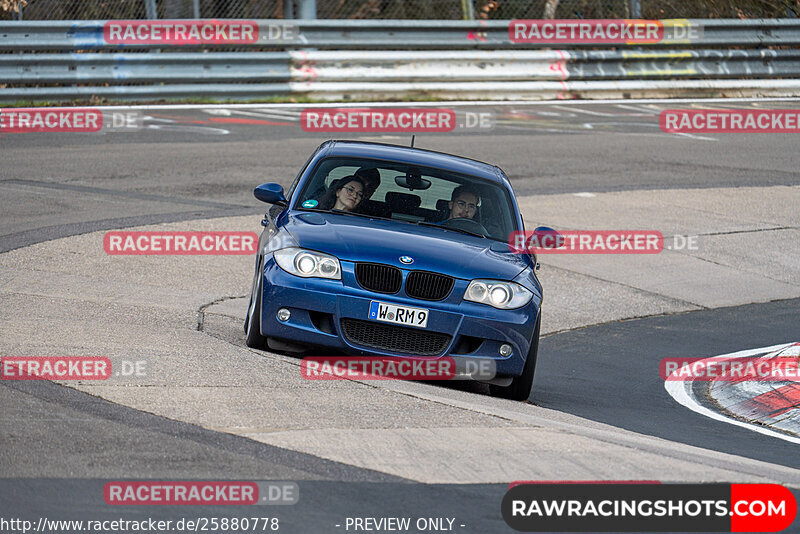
{"x":371,"y":178}
{"x":372,"y":181}
{"x":344,"y":194}
{"x":463,"y":203}
{"x":369,"y":175}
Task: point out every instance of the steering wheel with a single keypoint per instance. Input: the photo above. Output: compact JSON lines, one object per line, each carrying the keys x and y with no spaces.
{"x":470,"y":225}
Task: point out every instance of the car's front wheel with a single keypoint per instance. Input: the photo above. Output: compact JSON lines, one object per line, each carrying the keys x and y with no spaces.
{"x":252,"y":324}
{"x":520,"y":387}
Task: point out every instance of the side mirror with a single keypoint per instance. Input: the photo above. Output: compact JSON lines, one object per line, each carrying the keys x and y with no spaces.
{"x":271,"y":193}
{"x":545,"y":237}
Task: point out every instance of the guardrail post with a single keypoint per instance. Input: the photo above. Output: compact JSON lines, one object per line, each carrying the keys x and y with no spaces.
{"x":550,"y":7}
{"x":288,"y":9}
{"x":196,"y":8}
{"x":150,"y":7}
{"x":307,"y":9}
{"x":19,"y":14}
{"x":468,"y":8}
{"x":636,"y":9}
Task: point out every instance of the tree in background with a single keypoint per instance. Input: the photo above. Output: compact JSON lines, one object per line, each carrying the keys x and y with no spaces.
{"x":12,"y":5}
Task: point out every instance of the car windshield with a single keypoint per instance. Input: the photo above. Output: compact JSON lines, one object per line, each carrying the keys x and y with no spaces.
{"x":410,"y":194}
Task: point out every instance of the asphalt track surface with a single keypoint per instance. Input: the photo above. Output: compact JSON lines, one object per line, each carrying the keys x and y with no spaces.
{"x":609,"y":373}
{"x":203,"y":163}
{"x":191,"y":165}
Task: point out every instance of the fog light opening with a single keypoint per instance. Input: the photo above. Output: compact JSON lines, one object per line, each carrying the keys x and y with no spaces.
{"x":283,"y":315}
{"x":505,"y":350}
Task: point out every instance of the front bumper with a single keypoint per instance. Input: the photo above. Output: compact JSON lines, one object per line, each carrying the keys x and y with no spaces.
{"x":318,"y":306}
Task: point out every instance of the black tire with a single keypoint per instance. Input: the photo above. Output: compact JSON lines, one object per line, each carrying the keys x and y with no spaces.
{"x":252,"y":323}
{"x":520,"y":387}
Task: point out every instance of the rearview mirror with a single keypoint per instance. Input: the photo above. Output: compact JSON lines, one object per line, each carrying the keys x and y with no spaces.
{"x":412,"y":180}
{"x":271,"y":193}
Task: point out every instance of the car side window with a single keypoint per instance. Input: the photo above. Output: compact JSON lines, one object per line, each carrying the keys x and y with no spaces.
{"x":302,"y":171}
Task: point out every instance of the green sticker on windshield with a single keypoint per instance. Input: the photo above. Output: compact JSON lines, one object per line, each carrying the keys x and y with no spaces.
{"x":310,"y":204}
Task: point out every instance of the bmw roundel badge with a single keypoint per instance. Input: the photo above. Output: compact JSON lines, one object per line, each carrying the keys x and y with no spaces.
{"x":406,"y":259}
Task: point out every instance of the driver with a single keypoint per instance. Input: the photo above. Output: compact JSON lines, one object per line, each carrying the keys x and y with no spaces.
{"x":463,"y":203}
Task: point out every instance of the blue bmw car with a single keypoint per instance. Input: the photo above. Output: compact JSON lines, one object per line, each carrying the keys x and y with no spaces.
{"x":386,"y":250}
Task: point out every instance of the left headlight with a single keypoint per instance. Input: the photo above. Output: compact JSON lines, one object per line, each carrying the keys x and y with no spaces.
{"x":497,"y":293}
{"x":308,"y":264}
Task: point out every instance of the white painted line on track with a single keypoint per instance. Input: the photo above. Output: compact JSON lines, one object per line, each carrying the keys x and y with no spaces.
{"x":273,"y":113}
{"x":278,"y":115}
{"x":638,"y":109}
{"x":677,"y":389}
{"x":693,"y":136}
{"x":585,"y":111}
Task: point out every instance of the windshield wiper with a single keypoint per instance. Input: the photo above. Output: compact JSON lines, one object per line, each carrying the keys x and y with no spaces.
{"x":459,"y":230}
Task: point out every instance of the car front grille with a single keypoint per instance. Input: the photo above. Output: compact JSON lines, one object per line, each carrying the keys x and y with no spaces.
{"x":394,"y":338}
{"x":379,"y":278}
{"x":428,"y":286}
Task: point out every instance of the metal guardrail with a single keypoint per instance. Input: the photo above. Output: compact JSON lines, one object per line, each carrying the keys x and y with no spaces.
{"x":540,"y":65}
{"x":328,"y":74}
{"x":341,"y":66}
{"x":91,"y":68}
{"x":227,"y":91}
{"x":542,"y":90}
{"x":396,"y":35}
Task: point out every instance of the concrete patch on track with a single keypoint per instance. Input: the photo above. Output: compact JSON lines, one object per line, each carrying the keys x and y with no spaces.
{"x":66,"y":297}
{"x":747,"y":242}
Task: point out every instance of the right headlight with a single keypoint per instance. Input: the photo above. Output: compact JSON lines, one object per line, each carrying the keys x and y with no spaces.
{"x":308,"y":263}
{"x":498,"y":293}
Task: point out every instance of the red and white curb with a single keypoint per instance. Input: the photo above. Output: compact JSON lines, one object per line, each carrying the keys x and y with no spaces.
{"x":760,"y":406}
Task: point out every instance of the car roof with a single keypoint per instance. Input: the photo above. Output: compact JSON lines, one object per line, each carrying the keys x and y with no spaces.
{"x":415,"y":156}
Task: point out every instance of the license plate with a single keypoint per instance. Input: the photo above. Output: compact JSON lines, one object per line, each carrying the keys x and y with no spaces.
{"x":405,"y":315}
